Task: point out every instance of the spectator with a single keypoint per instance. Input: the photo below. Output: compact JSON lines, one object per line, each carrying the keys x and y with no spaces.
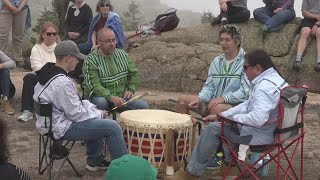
{"x":8,"y":171}
{"x":79,"y":17}
{"x":6,"y":88}
{"x":41,"y":53}
{"x":14,"y":17}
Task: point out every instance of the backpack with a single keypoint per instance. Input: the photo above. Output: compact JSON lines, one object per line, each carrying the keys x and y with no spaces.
{"x":166,"y":22}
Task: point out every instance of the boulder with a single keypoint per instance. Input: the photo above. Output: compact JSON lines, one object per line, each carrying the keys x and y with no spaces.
{"x":179,"y":60}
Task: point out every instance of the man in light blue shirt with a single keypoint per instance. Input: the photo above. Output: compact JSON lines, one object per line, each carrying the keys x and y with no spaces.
{"x":258,"y":114}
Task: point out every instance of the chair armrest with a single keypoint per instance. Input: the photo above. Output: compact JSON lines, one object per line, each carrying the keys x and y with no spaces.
{"x":224,"y":119}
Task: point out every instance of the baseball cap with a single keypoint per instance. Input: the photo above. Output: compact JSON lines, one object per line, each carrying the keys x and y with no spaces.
{"x":68,"y":47}
{"x":131,"y":167}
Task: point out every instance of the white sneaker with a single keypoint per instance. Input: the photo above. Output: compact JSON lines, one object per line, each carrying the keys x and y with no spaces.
{"x":26,"y":116}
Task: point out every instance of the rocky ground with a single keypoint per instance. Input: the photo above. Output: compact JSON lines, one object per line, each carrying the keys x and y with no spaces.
{"x":23,"y":138}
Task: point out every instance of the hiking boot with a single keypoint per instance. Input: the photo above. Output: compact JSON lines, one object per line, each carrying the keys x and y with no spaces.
{"x":25,"y":116}
{"x":102,"y":166}
{"x":20,"y":64}
{"x":6,"y":107}
{"x":317,"y":67}
{"x":297,"y":65}
{"x":216,"y":162}
{"x":224,"y":22}
{"x":264,"y":30}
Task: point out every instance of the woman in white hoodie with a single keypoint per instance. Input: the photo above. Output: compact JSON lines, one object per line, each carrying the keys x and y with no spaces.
{"x":41,"y":53}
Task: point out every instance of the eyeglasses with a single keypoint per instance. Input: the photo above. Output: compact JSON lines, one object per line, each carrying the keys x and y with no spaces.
{"x":105,"y":5}
{"x":109,"y":41}
{"x":51,"y":33}
{"x":245,"y":67}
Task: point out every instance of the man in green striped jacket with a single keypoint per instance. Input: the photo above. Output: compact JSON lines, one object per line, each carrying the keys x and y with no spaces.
{"x":110,"y":76}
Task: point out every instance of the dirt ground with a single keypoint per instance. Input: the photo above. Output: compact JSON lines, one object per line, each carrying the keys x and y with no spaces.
{"x":23,"y":139}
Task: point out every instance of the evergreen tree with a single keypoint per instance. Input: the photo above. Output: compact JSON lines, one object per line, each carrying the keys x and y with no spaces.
{"x":207,"y":17}
{"x":131,"y":18}
{"x":47,"y":15}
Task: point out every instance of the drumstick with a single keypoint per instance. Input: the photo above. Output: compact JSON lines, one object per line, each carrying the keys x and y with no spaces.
{"x":130,"y":100}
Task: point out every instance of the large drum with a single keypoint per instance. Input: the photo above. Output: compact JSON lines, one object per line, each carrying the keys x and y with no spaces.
{"x":162,"y":137}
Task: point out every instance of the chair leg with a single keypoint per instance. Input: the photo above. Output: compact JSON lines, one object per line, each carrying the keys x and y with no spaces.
{"x":43,"y":153}
{"x":74,"y":169}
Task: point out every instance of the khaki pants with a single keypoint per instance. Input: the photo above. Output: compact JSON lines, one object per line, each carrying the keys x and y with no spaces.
{"x":16,"y":24}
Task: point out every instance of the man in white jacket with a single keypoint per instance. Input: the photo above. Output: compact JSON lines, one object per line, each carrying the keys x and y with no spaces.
{"x":73,"y":118}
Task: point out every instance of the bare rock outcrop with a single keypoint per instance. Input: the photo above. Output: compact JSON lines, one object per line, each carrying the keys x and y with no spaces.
{"x":179,"y":60}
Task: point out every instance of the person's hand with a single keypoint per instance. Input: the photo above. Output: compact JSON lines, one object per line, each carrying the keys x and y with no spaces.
{"x":15,"y":10}
{"x":117,"y":101}
{"x":314,"y":30}
{"x":222,"y":1}
{"x":105,"y":113}
{"x":210,"y":118}
{"x":127,"y":95}
{"x":224,"y":7}
{"x":277,"y":10}
{"x":215,"y":102}
{"x":195,"y":103}
{"x":94,"y":47}
{"x":76,"y":35}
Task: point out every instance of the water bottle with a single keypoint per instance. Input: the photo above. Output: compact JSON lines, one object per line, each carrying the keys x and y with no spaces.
{"x":265,"y":170}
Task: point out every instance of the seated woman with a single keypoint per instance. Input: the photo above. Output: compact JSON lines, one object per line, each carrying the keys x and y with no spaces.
{"x":6,"y":88}
{"x":41,"y":53}
{"x":105,"y":18}
{"x":275,"y":14}
{"x":79,"y":17}
{"x":8,"y":170}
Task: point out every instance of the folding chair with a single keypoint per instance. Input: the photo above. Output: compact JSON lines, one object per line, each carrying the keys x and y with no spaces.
{"x":289,"y":133}
{"x":51,"y":149}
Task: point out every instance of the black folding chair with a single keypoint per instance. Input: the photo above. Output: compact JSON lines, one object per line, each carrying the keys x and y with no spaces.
{"x":51,"y":149}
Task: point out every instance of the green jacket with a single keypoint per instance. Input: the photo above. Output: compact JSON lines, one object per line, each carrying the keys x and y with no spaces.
{"x":109,"y":76}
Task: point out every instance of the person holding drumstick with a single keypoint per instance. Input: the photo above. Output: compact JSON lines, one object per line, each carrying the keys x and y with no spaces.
{"x":110,"y":76}
{"x":226,"y":85}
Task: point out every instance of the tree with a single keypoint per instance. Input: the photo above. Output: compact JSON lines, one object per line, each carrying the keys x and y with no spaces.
{"x":47,"y":15}
{"x":131,"y":18}
{"x":207,"y":17}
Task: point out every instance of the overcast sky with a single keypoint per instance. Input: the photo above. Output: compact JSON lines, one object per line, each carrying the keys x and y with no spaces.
{"x":213,"y":5}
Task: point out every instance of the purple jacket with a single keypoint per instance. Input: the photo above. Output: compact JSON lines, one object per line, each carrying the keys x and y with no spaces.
{"x":285,"y":4}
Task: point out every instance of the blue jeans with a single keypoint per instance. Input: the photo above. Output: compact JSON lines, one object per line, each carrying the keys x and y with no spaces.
{"x":85,"y":48}
{"x":273,"y":20}
{"x":94,"y":131}
{"x":5,"y":82}
{"x":208,"y":142}
{"x":103,"y":104}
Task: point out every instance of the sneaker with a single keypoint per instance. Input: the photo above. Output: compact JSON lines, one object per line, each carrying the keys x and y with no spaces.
{"x":264,"y":30}
{"x":317,"y":67}
{"x":224,"y":22}
{"x":216,"y":162}
{"x":6,"y":107}
{"x":25,"y":116}
{"x":102,"y":166}
{"x":297,"y":65}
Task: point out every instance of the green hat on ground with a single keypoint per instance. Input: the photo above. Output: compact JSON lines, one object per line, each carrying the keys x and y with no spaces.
{"x":132,"y":168}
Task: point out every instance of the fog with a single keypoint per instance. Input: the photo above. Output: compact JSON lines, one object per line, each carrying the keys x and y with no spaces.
{"x":213,"y":5}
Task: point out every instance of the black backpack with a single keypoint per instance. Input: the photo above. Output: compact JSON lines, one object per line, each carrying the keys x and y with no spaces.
{"x":166,"y":22}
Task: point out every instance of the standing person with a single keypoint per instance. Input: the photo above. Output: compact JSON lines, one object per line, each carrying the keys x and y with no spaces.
{"x":72,"y":118}
{"x":8,"y":170}
{"x":258,"y":114}
{"x":232,"y":11}
{"x":41,"y":53}
{"x":110,"y":76}
{"x":105,"y":18}
{"x":309,"y":27}
{"x":275,"y":14}
{"x":6,"y":89}
{"x":79,"y":17}
{"x":13,"y":18}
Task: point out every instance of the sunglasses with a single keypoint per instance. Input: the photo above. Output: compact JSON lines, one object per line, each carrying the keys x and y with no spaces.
{"x":245,"y":67}
{"x":51,"y":33}
{"x":105,"y":5}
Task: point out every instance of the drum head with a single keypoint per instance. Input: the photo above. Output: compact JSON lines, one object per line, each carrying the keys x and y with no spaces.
{"x":153,"y":118}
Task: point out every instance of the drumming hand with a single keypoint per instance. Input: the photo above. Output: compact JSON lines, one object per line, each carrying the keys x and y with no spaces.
{"x":117,"y":101}
{"x":215,"y":102}
{"x":195,"y":103}
{"x":105,"y":113}
{"x":210,"y":118}
{"x":127,"y":95}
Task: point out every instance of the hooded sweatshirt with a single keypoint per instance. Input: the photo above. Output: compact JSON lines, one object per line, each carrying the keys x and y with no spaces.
{"x":55,"y":87}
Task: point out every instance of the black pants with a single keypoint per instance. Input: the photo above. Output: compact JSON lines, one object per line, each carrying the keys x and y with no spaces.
{"x":29,"y":82}
{"x":235,"y":14}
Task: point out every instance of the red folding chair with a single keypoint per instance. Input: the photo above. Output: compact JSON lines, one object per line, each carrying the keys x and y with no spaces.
{"x":289,"y":133}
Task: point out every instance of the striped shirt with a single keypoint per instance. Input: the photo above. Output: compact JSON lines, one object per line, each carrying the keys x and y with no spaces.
{"x":12,"y":172}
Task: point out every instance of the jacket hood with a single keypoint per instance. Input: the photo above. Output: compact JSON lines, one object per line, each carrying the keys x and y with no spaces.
{"x":48,"y":71}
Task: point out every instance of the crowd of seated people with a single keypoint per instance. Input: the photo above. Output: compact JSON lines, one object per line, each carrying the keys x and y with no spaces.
{"x":91,"y":47}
